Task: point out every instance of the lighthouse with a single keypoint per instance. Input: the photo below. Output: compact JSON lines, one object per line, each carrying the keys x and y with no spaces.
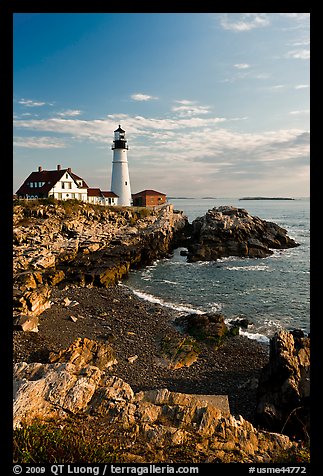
{"x":120,"y":182}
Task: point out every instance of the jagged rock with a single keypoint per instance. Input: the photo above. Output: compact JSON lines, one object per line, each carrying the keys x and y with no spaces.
{"x":284,"y":385}
{"x":179,"y":352}
{"x":230,"y":231}
{"x":86,"y":352}
{"x":209,"y":327}
{"x":26,"y":323}
{"x":164,"y":418}
{"x":92,"y":246}
{"x":51,"y":390}
{"x":27,"y":281}
{"x":46,"y":260}
{"x":54,"y":277}
{"x":31,"y":303}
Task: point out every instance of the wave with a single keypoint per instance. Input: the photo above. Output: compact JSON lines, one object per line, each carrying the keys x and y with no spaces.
{"x":170,"y":305}
{"x":263,"y":339}
{"x":259,"y":267}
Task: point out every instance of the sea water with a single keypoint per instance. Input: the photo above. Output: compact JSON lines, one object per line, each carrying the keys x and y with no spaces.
{"x":273,"y":293}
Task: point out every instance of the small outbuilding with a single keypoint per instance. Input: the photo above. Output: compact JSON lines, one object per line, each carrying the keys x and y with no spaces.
{"x":148,"y":198}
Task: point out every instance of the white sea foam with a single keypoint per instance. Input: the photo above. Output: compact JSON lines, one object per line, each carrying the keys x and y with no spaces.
{"x":255,"y":336}
{"x":259,"y":267}
{"x":171,"y":305}
{"x":215,"y":307}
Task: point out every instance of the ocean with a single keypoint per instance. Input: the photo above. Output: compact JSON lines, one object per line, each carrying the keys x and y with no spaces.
{"x":273,"y":293}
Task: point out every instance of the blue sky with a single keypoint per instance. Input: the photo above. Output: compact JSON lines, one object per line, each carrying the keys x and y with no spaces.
{"x":213,"y":104}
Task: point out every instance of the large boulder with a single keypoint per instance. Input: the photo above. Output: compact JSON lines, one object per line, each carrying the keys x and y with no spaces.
{"x":284,"y":385}
{"x":45,"y":391}
{"x":84,"y":352}
{"x":230,"y":231}
{"x":29,"y":301}
{"x":207,"y":327}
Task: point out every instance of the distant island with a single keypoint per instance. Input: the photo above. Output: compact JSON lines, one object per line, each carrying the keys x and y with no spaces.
{"x":266,"y":198}
{"x":181,"y":198}
{"x":192,"y":198}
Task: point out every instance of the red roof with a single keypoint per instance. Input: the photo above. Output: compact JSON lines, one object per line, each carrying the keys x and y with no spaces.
{"x":94,"y":192}
{"x":76,"y":177}
{"x":50,"y":177}
{"x":147,"y":192}
{"x":109,"y":194}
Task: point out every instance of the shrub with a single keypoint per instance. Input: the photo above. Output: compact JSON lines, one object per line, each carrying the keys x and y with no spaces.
{"x":66,"y":443}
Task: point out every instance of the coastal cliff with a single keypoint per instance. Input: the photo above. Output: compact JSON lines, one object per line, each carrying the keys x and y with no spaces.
{"x":84,"y":245}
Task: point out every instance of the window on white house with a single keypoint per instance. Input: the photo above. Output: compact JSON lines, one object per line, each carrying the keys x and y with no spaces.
{"x":66,"y":175}
{"x":63,"y":184}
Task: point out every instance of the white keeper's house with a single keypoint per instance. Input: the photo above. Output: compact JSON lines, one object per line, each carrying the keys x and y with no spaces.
{"x":63,"y":184}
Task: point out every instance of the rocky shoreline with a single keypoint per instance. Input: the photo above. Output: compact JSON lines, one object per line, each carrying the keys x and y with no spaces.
{"x":135,"y":328}
{"x":85,"y":345}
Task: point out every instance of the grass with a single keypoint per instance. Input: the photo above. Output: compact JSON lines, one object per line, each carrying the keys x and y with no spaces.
{"x":67,"y":442}
{"x":132,"y":214}
{"x":295,"y":456}
{"x":86,"y":439}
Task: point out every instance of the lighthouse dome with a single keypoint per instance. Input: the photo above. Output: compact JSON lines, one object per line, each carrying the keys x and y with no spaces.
{"x":119,"y":129}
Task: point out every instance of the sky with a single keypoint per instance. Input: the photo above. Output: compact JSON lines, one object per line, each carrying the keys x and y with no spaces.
{"x":213,"y":104}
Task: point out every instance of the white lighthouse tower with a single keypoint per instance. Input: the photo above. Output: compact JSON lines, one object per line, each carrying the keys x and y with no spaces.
{"x":120,"y":182}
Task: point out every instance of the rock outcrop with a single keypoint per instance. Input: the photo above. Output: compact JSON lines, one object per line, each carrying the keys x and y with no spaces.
{"x":51,"y":237}
{"x":284,"y":385}
{"x":85,"y":245}
{"x":208,"y":327}
{"x":84,"y":352}
{"x":163,"y":418}
{"x":229,"y":231}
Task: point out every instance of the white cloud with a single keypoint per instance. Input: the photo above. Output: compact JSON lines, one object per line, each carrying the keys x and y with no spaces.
{"x":178,"y":144}
{"x":142,"y":97}
{"x":31,"y":103}
{"x":70,"y":113}
{"x":277,"y":87}
{"x":302,"y":111}
{"x":100,"y":130}
{"x":244,"y":21}
{"x":189,"y":108}
{"x":38,"y":143}
{"x":305,"y":42}
{"x":299,"y":54}
{"x":302,"y":86}
{"x":242,"y":66}
{"x":296,"y":16}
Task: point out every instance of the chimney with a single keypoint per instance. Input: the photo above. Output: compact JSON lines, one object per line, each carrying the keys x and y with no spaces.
{"x":69,"y":170}
{"x":59,"y":167}
{"x":40,"y":168}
